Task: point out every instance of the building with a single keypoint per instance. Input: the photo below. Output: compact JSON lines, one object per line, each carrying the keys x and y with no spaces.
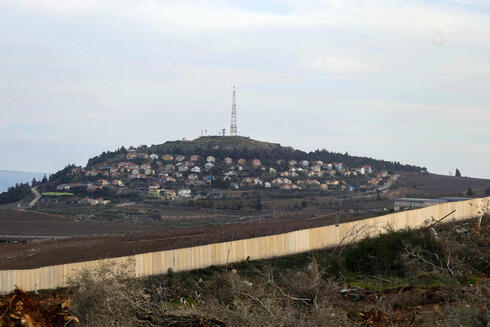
{"x":103,"y":182}
{"x":169,"y":167}
{"x":193,"y":177}
{"x":154,"y":191}
{"x":169,"y":194}
{"x":131,"y":154}
{"x":117,"y":182}
{"x":196,"y":169}
{"x":185,"y":193}
{"x":63,"y":187}
{"x":414,"y":203}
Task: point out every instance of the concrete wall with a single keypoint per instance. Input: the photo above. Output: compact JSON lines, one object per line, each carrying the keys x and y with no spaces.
{"x":155,"y":263}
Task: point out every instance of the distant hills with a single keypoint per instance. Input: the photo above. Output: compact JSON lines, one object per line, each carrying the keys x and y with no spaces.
{"x":11,"y":177}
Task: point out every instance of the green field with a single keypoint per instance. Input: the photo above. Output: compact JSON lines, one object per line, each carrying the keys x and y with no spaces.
{"x":56,"y":194}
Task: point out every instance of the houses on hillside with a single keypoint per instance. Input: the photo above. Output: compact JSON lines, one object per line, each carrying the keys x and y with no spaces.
{"x":188,"y":175}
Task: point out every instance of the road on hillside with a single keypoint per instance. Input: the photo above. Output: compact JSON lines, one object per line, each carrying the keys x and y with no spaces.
{"x":37,"y":196}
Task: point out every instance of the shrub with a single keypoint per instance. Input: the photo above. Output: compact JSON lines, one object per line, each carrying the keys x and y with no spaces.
{"x":108,"y":296}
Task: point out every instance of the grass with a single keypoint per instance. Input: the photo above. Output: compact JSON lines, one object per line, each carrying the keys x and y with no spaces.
{"x":57,"y":194}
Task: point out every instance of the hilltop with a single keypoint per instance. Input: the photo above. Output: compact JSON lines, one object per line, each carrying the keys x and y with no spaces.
{"x":247,"y":148}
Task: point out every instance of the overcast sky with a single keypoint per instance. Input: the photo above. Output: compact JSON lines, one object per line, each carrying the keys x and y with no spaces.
{"x":398,"y":80}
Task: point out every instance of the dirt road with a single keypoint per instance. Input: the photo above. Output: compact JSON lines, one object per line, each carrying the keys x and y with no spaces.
{"x":37,"y":196}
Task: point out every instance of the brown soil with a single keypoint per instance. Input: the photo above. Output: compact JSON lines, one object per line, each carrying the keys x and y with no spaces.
{"x":51,"y":252}
{"x":34,"y":223}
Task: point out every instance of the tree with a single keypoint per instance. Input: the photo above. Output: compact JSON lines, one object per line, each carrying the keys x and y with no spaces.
{"x":457,"y":173}
{"x":469,"y":192}
{"x":487,"y":191}
{"x":15,"y":193}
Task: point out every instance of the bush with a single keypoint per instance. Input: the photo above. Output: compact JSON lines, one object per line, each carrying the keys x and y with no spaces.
{"x":108,"y":296}
{"x":382,"y":254}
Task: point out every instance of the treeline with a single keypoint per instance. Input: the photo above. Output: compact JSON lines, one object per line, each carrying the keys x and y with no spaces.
{"x":106,"y":156}
{"x":15,"y":193}
{"x":268,"y":153}
{"x":354,"y":161}
{"x":63,"y":176}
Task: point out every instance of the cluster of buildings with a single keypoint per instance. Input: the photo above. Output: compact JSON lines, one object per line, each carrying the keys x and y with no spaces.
{"x":174,"y":176}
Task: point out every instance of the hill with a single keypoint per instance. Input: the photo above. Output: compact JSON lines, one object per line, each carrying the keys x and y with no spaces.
{"x":247,"y":148}
{"x":424,"y":185}
{"x":245,"y":174}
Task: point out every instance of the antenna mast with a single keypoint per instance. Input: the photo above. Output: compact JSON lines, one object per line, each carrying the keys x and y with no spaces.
{"x":233,"y":129}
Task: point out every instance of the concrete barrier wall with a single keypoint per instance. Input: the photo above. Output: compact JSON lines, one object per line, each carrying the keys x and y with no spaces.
{"x":155,"y":263}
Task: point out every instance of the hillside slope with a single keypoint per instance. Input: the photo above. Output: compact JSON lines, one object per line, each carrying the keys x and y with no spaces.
{"x":433,"y":184}
{"x":247,"y":148}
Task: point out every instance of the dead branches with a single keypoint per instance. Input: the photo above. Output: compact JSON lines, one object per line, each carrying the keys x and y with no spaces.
{"x":24,"y":309}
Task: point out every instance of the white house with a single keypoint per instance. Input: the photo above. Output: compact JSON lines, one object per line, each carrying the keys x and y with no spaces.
{"x":196,"y":169}
{"x":185,"y":193}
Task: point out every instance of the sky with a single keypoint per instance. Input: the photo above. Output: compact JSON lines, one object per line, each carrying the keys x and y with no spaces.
{"x":405,"y":81}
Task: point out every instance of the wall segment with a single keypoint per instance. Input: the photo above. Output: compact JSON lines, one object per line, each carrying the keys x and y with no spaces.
{"x":202,"y":256}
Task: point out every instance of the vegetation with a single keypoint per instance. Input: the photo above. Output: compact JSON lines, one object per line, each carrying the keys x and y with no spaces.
{"x":405,"y":277}
{"x":244,"y":147}
{"x":57,"y":194}
{"x":15,"y":193}
{"x":106,"y":156}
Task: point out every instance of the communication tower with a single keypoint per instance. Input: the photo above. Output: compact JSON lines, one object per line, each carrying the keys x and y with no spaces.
{"x":233,"y":128}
